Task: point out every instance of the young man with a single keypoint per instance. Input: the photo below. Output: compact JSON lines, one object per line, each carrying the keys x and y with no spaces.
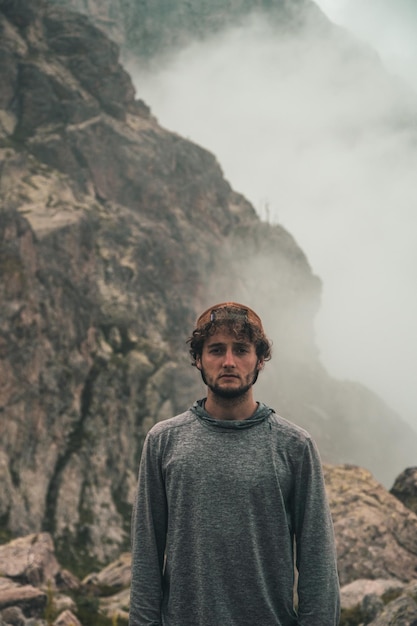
{"x":230,"y":494}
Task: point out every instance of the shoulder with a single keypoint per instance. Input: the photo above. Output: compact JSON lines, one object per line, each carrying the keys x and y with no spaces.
{"x":290,"y":433}
{"x":171,"y":425}
{"x":300,"y":448}
{"x":288,"y":428}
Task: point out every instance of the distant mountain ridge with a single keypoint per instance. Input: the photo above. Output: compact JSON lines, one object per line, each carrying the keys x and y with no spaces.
{"x":114,"y":234}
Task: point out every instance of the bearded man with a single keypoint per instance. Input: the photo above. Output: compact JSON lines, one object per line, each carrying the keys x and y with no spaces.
{"x":231,"y":507}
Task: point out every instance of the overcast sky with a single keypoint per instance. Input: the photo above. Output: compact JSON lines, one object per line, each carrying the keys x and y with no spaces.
{"x":315,"y":140}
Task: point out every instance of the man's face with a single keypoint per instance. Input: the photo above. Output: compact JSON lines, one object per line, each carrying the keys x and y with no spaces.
{"x":228,"y":364}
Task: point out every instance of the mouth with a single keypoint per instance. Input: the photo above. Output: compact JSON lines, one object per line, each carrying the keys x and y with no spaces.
{"x":229,"y":376}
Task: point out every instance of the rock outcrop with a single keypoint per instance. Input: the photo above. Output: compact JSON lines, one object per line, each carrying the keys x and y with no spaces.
{"x":376,"y":534}
{"x":34,"y":589}
{"x":16,"y":598}
{"x":379,"y":603}
{"x":32,"y":581}
{"x":30,"y":559}
{"x":402,"y":610}
{"x":114,"y":233}
{"x":405,"y":488}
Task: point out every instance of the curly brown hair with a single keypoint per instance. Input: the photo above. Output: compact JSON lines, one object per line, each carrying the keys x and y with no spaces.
{"x":240,"y":327}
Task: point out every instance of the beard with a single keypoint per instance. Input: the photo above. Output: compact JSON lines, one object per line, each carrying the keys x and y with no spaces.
{"x":226,"y":393}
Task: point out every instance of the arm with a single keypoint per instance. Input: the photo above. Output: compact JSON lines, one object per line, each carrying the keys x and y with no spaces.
{"x":149,"y":523}
{"x":318,"y":585}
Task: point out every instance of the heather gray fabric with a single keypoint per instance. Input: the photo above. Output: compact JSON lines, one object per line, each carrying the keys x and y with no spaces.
{"x":223,"y":500}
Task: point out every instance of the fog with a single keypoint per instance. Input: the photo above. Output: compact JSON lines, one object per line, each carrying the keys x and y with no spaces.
{"x":320,"y":140}
{"x":390,"y":27}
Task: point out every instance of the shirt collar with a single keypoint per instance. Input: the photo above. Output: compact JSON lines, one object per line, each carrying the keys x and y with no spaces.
{"x":257,"y":417}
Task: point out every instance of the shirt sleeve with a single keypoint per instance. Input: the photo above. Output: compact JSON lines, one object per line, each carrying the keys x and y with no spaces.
{"x":318,"y":584}
{"x":149,"y":526}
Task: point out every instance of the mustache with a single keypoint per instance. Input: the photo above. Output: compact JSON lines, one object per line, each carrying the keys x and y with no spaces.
{"x":255,"y":377}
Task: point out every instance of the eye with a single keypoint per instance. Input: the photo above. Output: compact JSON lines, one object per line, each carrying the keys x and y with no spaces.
{"x":215,"y":350}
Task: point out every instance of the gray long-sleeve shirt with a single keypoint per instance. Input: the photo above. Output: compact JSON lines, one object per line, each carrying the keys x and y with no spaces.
{"x":217,"y":509}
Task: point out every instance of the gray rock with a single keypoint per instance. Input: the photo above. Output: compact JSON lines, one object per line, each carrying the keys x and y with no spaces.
{"x":399,"y":612}
{"x":371,"y":606}
{"x":30,"y":559}
{"x":66,"y":580}
{"x":117,"y":605}
{"x":376,"y":535}
{"x":67,"y":619}
{"x":354,"y":593}
{"x":13,"y":616}
{"x":115,"y":576}
{"x":30,"y":600}
{"x":63,"y":603}
{"x":405,"y":488}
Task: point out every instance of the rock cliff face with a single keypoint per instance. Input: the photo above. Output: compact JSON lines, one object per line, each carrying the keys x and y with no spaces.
{"x":114,"y":233}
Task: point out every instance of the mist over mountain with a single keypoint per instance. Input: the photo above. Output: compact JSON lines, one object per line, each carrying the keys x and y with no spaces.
{"x":322,"y":139}
{"x":390,"y":27}
{"x":114,"y":234}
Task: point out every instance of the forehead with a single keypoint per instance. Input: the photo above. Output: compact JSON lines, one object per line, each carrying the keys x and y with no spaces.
{"x":224,"y":335}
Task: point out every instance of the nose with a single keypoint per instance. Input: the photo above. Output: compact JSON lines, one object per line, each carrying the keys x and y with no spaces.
{"x":229,"y":360}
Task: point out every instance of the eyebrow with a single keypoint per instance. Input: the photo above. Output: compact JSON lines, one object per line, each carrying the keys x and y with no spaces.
{"x":219,"y":344}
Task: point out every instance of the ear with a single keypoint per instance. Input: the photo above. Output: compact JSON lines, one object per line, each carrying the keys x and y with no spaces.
{"x":260,"y":365}
{"x":198,"y":362}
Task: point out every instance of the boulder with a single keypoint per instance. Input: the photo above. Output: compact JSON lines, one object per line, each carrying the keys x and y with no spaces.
{"x":32,"y":581}
{"x":405,"y":488}
{"x":30,"y":559}
{"x":363,"y":600}
{"x":352,"y":595}
{"x":113,"y":585}
{"x":62,"y":602}
{"x":66,"y":580}
{"x":400,"y":612}
{"x":376,"y":535}
{"x":116,"y":606}
{"x":29,"y":599}
{"x":114,"y":577}
{"x":12,"y":616}
{"x":67,"y":618}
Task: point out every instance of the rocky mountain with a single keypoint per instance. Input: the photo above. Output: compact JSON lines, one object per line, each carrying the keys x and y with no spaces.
{"x":114,"y":234}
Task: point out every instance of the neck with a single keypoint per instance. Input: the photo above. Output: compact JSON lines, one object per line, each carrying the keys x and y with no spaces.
{"x":240,"y":408}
